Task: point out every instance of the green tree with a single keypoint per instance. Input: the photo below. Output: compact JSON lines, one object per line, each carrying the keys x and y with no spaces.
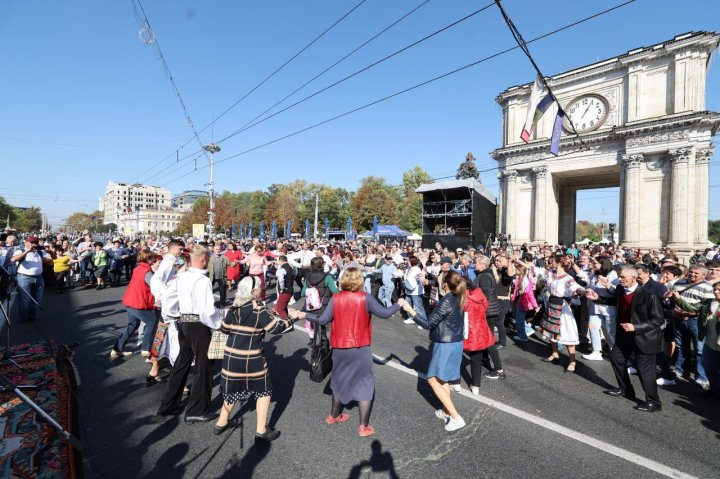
{"x":410,"y":209}
{"x":467,"y":168}
{"x":28,"y":219}
{"x":79,"y":221}
{"x":585,"y":229}
{"x":714,"y":231}
{"x":374,"y":198}
{"x":6,"y":211}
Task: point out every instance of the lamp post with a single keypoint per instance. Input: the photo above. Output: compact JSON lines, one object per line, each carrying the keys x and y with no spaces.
{"x":611,"y":227}
{"x":212,"y":148}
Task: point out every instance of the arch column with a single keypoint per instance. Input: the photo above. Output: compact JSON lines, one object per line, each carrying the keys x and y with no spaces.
{"x":510,"y":201}
{"x":539,"y":233}
{"x":679,"y":178}
{"x":631,"y":210}
{"x":702,"y":197}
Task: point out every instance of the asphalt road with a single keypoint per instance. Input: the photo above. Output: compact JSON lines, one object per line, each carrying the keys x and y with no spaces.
{"x":539,"y":422}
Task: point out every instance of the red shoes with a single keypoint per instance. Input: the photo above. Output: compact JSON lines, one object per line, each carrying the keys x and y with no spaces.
{"x":365,"y":431}
{"x":341,"y":418}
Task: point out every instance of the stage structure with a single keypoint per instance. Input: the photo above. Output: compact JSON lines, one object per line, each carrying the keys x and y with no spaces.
{"x":457,"y":213}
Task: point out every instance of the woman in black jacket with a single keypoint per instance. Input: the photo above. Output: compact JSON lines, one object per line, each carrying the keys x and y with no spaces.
{"x":446,"y":333}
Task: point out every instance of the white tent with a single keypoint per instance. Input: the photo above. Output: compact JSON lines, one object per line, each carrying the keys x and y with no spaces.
{"x":414,"y":237}
{"x":584,"y":241}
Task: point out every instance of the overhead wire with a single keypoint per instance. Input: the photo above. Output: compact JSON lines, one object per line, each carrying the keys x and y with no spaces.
{"x":271,"y":75}
{"x":364,"y":69}
{"x":248,"y":126}
{"x":411,"y":88}
{"x":144,"y":24}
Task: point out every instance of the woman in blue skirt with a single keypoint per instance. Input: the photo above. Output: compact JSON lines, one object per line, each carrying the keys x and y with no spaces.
{"x":446,"y":333}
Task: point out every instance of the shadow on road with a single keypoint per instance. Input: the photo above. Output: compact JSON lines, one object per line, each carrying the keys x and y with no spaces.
{"x":379,"y":462}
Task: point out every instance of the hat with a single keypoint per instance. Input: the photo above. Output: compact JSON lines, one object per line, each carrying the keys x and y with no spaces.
{"x":445,"y":259}
{"x":31,"y":239}
{"x":388,"y":257}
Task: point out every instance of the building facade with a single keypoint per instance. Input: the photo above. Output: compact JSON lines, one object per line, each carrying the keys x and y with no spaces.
{"x":148,"y":221}
{"x":185,"y":200}
{"x":121,"y":198}
{"x":644,"y":127}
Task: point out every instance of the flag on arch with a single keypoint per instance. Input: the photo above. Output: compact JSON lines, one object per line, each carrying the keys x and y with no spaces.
{"x":537,"y":106}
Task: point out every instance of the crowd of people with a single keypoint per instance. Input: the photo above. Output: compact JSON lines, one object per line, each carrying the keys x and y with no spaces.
{"x":644,"y":311}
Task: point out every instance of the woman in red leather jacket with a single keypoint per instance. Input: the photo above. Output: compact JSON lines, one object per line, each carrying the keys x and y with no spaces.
{"x":353,"y":377}
{"x":479,"y":338}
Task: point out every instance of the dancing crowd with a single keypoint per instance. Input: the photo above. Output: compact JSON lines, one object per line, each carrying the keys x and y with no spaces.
{"x":644,"y":311}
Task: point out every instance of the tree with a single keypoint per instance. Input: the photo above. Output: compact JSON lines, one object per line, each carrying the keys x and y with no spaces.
{"x":28,"y":219}
{"x":714,"y":231}
{"x":6,"y":211}
{"x":411,"y":207}
{"x":467,"y":168}
{"x":374,"y":198}
{"x":585,"y":229}
{"x":79,"y":221}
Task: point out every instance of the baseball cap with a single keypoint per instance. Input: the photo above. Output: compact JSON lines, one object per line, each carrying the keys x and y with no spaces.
{"x":445,"y":259}
{"x":31,"y":239}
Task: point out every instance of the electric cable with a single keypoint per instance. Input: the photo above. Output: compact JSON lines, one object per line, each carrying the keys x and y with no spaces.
{"x":411,"y":88}
{"x":268,"y":77}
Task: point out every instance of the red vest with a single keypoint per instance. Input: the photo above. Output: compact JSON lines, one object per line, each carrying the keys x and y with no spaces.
{"x":351,"y":326}
{"x":138,"y":295}
{"x":623,"y":312}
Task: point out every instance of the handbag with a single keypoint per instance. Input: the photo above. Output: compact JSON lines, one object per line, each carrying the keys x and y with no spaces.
{"x":216,"y":350}
{"x":320,"y":356}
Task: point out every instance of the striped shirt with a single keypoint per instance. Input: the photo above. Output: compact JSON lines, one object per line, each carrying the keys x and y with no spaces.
{"x":694,"y":293}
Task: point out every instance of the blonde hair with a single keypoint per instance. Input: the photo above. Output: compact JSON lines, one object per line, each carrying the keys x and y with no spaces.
{"x":352,"y":280}
{"x":198,"y":251}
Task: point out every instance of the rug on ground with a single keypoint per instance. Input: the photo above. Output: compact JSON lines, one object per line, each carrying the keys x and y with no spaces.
{"x":29,"y":446}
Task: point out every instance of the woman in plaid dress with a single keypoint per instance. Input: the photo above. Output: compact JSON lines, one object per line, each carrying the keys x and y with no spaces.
{"x":244,"y":369}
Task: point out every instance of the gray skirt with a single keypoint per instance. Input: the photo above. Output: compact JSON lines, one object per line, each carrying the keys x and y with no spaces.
{"x":353,"y":376}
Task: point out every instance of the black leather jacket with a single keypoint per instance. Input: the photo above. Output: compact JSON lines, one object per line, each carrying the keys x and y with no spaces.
{"x":445,"y":322}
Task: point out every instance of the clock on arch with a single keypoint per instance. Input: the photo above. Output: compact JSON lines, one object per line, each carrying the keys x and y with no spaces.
{"x":588,"y":112}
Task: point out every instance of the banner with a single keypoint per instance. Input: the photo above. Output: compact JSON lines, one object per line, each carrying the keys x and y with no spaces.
{"x":198,"y":230}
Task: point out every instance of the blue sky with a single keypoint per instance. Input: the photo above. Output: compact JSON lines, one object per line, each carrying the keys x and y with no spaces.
{"x":85,"y":101}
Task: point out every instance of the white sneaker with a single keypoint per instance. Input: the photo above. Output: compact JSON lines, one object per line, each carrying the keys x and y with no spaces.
{"x":420,"y":327}
{"x":632,"y":370}
{"x":475,"y":390}
{"x":455,"y":424}
{"x":456,"y":388}
{"x":665,"y":382}
{"x":594,"y":356}
{"x":409,"y":321}
{"x":703,"y":384}
{"x":441,"y":415}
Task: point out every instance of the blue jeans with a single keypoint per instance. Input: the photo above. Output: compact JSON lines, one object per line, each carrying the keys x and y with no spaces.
{"x":34,"y":286}
{"x":385,"y":294}
{"x":368,"y":284}
{"x":711,"y":365}
{"x":135,"y":316}
{"x":416,"y":302}
{"x":522,"y":328}
{"x":606,"y":322}
{"x":686,"y":336}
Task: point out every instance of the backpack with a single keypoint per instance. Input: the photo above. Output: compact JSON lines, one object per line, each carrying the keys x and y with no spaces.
{"x":313,"y":301}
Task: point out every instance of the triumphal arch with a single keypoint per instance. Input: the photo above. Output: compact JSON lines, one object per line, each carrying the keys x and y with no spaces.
{"x":644,"y":127}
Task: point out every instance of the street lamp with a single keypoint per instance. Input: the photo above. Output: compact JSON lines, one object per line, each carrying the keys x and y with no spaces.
{"x":212,"y":148}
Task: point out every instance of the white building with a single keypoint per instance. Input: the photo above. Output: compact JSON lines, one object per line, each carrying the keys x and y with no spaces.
{"x":144,"y":221}
{"x":185,"y":200}
{"x":123,"y":198}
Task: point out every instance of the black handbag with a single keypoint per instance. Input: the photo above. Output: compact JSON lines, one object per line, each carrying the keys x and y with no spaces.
{"x":321,"y":356}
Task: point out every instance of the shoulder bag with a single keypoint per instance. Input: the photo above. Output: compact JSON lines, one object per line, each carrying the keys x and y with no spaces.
{"x":320,"y":356}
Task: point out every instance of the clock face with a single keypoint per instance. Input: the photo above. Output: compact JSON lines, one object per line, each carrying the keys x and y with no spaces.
{"x":587,"y":112}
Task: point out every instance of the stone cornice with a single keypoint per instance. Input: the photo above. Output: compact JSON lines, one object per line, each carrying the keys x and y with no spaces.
{"x":707,"y":40}
{"x":634,"y":131}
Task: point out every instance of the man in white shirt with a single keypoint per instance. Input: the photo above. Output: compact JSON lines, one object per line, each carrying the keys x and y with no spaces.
{"x":166,"y":270}
{"x":30,"y":281}
{"x":300,"y":260}
{"x":198,"y":317}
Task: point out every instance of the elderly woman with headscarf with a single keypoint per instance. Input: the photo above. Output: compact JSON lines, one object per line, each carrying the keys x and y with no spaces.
{"x":244,"y":368}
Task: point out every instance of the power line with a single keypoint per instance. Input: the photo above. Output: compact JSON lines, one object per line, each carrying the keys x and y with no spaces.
{"x":268,"y":77}
{"x":247,"y":126}
{"x":148,"y":37}
{"x":372,"y":65}
{"x":418,"y":85}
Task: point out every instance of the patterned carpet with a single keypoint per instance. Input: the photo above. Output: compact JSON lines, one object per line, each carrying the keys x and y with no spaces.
{"x":29,"y":447}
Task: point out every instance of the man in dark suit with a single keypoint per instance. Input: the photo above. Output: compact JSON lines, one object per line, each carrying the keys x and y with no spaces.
{"x":639,"y":330}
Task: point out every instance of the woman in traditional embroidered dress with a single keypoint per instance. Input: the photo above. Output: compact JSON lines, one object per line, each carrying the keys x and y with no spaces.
{"x":558,"y":320}
{"x":244,"y":368}
{"x":256,"y":262}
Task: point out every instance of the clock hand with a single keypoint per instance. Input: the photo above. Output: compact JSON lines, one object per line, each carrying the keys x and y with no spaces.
{"x":586,"y":110}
